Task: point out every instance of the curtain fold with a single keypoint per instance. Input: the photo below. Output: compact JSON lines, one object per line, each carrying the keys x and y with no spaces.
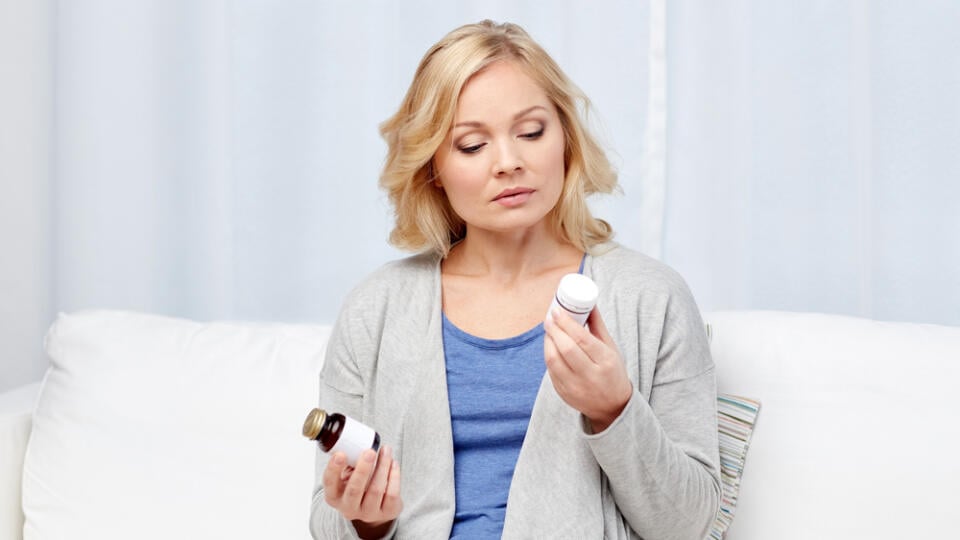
{"x":26,"y":81}
{"x":810,"y":154}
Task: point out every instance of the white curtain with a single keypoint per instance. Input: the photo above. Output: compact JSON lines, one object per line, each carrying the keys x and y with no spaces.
{"x":26,"y":75}
{"x":219,"y":159}
{"x":812,"y":155}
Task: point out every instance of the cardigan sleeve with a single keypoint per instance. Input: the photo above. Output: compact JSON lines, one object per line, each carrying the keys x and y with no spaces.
{"x":660,"y":455}
{"x":341,"y":390}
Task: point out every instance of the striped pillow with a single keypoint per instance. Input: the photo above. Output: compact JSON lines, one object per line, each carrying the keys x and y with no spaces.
{"x":736,"y":417}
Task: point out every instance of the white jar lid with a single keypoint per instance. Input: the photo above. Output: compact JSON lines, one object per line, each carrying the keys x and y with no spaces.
{"x":577,"y":293}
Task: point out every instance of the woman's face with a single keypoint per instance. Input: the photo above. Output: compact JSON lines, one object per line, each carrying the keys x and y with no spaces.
{"x":501,"y":165}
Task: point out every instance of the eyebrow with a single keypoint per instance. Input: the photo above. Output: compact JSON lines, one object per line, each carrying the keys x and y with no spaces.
{"x":515,"y":117}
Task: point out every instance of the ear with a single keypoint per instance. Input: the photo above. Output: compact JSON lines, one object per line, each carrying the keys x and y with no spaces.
{"x":432,"y":174}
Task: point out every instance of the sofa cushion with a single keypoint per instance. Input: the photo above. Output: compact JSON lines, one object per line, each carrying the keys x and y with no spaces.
{"x":154,"y":427}
{"x":859,"y":428}
{"x":16,"y":407}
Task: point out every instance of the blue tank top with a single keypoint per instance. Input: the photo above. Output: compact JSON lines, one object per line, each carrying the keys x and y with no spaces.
{"x":492,"y":385}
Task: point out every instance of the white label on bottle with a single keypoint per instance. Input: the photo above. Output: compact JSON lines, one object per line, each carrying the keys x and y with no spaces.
{"x":354,"y":439}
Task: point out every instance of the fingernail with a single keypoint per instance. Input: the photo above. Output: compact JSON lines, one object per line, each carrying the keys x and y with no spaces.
{"x":339,"y":459}
{"x":369,"y":456}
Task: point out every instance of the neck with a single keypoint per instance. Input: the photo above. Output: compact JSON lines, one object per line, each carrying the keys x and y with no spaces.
{"x":511,"y":256}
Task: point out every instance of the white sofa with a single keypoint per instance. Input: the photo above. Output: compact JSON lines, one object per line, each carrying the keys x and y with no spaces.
{"x":150,"y":427}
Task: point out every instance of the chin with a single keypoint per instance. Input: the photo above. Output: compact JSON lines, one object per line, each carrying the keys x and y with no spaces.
{"x":519,"y":224}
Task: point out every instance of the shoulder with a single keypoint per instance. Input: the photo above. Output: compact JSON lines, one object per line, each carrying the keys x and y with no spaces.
{"x":630,"y":270}
{"x":409,"y":270}
{"x":410,"y":279}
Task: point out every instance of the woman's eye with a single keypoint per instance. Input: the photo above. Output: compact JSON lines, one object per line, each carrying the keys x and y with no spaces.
{"x":532,"y":135}
{"x":471,"y":149}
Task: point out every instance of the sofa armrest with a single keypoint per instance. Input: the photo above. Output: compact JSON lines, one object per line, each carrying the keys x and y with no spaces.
{"x":16,"y":410}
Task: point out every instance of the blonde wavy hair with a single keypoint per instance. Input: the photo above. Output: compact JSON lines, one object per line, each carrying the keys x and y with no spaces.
{"x":424,"y":218}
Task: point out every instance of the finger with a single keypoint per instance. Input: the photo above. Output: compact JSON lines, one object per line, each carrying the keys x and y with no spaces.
{"x":576,"y":331}
{"x":595,"y":343}
{"x":357,"y":484}
{"x":392,"y":504}
{"x":566,"y":336}
{"x":332,"y":475}
{"x":373,"y":497}
{"x":557,"y":367}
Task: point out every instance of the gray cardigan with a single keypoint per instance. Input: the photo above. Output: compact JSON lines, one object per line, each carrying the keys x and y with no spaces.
{"x":652,"y":474}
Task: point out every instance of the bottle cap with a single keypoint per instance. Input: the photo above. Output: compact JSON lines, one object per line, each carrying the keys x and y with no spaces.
{"x":577,"y":293}
{"x":314,"y":423}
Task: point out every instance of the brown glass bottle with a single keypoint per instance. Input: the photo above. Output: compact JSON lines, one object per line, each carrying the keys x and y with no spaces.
{"x":335,"y":432}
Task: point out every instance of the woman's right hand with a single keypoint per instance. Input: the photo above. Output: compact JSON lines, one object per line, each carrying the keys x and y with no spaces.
{"x":368,"y":494}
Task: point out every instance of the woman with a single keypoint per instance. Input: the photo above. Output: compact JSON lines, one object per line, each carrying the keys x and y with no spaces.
{"x":502,"y":424}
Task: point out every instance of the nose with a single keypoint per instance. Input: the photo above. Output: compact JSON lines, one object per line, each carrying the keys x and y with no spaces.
{"x":508,"y":159}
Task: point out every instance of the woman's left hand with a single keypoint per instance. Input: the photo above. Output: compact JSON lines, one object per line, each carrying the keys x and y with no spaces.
{"x":586,"y":368}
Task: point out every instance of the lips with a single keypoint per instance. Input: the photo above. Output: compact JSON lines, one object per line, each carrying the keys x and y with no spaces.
{"x":513,"y":197}
{"x":512,"y":192}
